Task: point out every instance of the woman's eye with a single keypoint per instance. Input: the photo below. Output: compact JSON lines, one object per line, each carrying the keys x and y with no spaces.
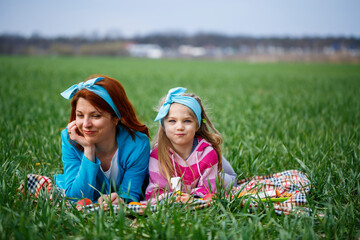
{"x":79,"y":115}
{"x":96,"y":116}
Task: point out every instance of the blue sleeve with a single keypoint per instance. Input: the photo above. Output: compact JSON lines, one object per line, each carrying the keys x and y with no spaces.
{"x":135,"y":171}
{"x":80,"y":173}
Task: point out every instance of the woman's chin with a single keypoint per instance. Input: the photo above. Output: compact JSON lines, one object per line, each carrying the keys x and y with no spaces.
{"x":90,"y":138}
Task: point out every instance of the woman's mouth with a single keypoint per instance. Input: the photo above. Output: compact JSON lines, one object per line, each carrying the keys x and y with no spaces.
{"x":88,"y":132}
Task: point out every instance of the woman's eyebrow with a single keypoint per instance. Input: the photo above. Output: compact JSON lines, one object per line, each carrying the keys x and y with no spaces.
{"x":95,"y":111}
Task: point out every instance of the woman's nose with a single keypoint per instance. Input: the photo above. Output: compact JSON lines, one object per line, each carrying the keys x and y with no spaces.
{"x":87,"y":122}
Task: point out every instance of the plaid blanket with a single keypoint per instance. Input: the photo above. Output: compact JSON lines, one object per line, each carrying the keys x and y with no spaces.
{"x":36,"y":185}
{"x":42,"y":186}
{"x":290,"y":186}
{"x":143,"y":208}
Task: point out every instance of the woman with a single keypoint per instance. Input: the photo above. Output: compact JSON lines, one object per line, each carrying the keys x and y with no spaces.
{"x":105,"y":148}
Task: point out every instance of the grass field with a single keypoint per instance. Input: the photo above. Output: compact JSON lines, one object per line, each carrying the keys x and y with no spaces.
{"x":273,"y":117}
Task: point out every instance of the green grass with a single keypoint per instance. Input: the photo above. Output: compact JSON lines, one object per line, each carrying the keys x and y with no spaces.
{"x":273,"y":117}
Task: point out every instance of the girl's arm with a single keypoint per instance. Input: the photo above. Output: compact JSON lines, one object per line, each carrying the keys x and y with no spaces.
{"x":158,"y":187}
{"x":154,"y":192}
{"x":228,"y":174}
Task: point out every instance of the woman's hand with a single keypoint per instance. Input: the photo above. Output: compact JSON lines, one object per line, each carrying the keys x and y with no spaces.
{"x":75,"y":135}
{"x":113,"y":198}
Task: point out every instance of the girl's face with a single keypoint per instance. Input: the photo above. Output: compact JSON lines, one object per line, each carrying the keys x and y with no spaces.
{"x":180,"y":126}
{"x":94,"y":125}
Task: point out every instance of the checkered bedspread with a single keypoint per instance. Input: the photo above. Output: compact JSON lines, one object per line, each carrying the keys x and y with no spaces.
{"x":141,"y":209}
{"x":36,"y":185}
{"x":292,"y":182}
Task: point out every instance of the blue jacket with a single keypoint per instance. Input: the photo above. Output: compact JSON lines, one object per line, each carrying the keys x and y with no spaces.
{"x":81,"y":175}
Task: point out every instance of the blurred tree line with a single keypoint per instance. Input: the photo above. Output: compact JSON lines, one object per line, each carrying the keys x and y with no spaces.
{"x":36,"y":45}
{"x":106,"y":46}
{"x":219,"y":40}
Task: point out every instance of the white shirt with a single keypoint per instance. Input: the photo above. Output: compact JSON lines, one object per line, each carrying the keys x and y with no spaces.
{"x":113,"y":172}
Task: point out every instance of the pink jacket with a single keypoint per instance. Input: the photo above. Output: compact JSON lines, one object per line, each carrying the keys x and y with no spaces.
{"x":196,"y":172}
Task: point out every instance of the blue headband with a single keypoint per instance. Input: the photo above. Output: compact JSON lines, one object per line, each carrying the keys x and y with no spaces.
{"x":175,"y":95}
{"x":98,"y":90}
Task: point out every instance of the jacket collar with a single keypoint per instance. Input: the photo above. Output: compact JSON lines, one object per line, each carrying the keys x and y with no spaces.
{"x":201,"y":143}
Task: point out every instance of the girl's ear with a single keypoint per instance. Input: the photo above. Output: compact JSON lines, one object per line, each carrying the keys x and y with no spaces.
{"x":197,"y":127}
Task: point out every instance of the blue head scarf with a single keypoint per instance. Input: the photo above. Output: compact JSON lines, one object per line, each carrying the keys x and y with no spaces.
{"x":175,"y":95}
{"x":98,"y":90}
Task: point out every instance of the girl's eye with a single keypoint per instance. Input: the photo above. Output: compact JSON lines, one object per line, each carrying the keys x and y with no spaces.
{"x":171,"y":121}
{"x":188,"y":121}
{"x":96,"y":116}
{"x":79,"y":115}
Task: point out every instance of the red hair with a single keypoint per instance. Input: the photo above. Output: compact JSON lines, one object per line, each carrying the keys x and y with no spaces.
{"x":117,"y":93}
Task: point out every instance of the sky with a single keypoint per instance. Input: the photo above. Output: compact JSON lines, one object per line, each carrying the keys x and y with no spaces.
{"x":278,"y":18}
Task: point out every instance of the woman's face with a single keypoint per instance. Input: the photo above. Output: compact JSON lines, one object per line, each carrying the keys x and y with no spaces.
{"x":97,"y":126}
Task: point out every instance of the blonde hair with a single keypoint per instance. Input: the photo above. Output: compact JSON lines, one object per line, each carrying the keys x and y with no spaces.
{"x":163,"y":143}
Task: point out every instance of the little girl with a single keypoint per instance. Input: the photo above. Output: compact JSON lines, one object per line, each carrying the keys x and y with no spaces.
{"x":185,"y":148}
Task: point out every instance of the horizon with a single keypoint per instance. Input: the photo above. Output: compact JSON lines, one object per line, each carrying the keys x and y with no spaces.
{"x":100,"y":37}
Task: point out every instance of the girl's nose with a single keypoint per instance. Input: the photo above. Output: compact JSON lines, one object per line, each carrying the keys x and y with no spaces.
{"x":179,"y":126}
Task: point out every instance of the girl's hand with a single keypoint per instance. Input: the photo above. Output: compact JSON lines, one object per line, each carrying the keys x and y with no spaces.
{"x":112,"y":198}
{"x":184,"y":198}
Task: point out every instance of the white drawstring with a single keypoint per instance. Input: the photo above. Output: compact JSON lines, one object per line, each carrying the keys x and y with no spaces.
{"x":173,"y":162}
{"x":197,"y":163}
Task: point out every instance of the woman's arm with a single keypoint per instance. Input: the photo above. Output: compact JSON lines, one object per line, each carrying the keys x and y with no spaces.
{"x":80,"y":173}
{"x":89,"y":148}
{"x":135,"y":172}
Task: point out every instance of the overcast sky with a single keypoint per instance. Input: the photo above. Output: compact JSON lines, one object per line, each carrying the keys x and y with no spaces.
{"x":128,"y":18}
